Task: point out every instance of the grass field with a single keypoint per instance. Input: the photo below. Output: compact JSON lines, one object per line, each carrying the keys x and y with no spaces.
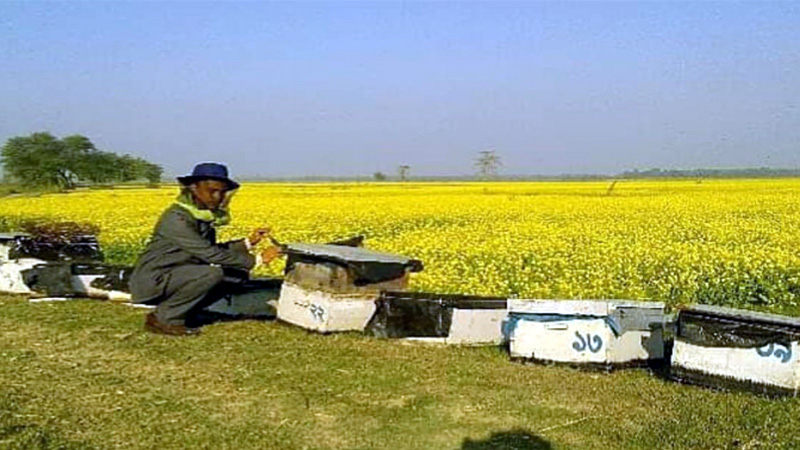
{"x":84,"y":374}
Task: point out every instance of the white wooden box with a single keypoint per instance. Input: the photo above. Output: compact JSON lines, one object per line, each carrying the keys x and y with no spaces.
{"x":727,"y":348}
{"x":325,"y":311}
{"x":477,"y":327}
{"x":586,"y":332}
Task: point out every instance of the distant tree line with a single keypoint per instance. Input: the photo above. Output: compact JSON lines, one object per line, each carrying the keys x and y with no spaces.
{"x":487,"y":164}
{"x":42,"y":160}
{"x":750,"y":172}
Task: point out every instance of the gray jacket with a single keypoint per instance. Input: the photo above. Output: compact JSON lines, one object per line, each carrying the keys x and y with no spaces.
{"x":179,"y":239}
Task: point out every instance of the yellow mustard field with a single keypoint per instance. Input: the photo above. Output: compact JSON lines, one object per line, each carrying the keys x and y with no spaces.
{"x":730,"y":242}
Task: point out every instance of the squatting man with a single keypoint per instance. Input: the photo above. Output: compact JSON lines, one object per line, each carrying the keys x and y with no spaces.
{"x":183,"y":269}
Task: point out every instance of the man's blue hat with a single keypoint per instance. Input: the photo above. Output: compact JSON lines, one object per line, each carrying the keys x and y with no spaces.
{"x":209,"y":171}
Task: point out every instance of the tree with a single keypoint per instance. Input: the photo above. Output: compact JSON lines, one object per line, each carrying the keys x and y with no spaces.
{"x":96,"y":167}
{"x":152,"y":173}
{"x":81,"y":158}
{"x":379,"y":176}
{"x":487,"y":163}
{"x":402,"y":172}
{"x":42,"y":160}
{"x":38,"y":160}
{"x":128,"y":167}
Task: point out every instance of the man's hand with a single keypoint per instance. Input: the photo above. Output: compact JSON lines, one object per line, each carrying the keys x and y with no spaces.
{"x":269,"y":254}
{"x":257,"y":235}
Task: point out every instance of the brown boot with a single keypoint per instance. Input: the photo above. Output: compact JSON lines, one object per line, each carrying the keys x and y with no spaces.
{"x":153,"y":325}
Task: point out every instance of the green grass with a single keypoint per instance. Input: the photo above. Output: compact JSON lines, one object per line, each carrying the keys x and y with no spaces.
{"x":18,"y":189}
{"x":84,"y":374}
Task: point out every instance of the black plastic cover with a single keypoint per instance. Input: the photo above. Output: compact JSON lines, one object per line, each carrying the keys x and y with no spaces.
{"x":115,"y":278}
{"x":709,"y":328}
{"x":78,"y":248}
{"x":365,"y":266}
{"x":53,"y":279}
{"x":420,"y":314}
{"x":258,"y":284}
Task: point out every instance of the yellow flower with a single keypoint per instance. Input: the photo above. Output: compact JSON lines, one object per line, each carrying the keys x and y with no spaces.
{"x":733,"y":242}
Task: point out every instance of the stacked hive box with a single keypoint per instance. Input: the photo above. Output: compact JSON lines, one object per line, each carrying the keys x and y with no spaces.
{"x":334,"y":288}
{"x":604,"y":333}
{"x":729,"y":348}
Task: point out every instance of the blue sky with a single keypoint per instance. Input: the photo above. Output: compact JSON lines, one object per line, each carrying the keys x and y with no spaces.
{"x":332,"y":88}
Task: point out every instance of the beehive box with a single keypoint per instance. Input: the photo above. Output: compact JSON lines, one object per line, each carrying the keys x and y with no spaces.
{"x":728,"y":348}
{"x":445,"y":318}
{"x":331,"y":288}
{"x":604,"y":333}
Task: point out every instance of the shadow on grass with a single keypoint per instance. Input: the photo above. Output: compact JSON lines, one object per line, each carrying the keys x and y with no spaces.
{"x":662,"y":369}
{"x":512,"y":440}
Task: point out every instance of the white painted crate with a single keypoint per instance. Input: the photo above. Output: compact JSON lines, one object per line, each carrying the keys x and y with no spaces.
{"x":586,"y":332}
{"x":440,"y":318}
{"x":324,"y":311}
{"x":730,"y":348}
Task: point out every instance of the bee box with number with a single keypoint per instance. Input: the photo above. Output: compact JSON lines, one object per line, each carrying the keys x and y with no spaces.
{"x":604,"y":333}
{"x":730,"y":348}
{"x":334,"y":287}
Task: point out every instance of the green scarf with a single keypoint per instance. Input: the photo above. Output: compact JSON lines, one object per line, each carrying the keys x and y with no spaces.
{"x":218,"y":217}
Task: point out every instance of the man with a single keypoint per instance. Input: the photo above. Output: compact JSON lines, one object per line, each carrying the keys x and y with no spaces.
{"x":183,"y":269}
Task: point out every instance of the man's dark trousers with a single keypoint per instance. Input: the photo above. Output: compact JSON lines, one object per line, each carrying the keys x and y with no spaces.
{"x":189,"y":289}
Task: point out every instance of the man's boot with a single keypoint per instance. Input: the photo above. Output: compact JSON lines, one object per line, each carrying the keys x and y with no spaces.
{"x":153,"y":325}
